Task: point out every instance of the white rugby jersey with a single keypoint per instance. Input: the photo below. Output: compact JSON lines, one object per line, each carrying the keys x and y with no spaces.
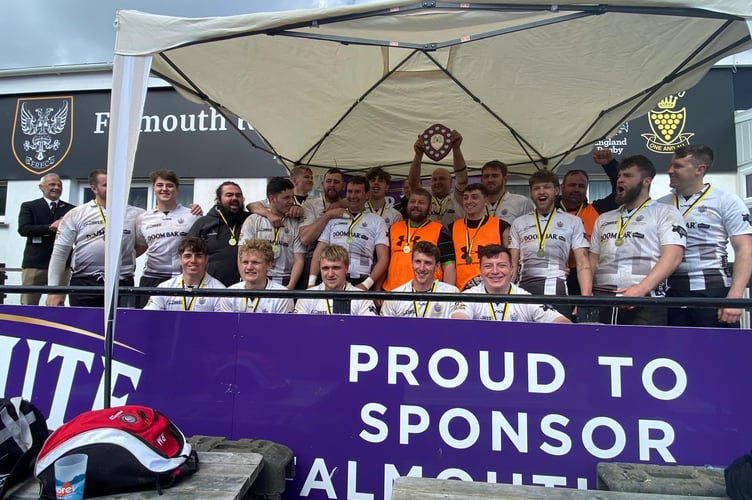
{"x":287,"y":244}
{"x":565,"y":232}
{"x":710,"y":222}
{"x":312,"y":210}
{"x":657,"y":224}
{"x":506,"y":311}
{"x":508,"y":208}
{"x":256,"y":304}
{"x":445,"y":211}
{"x":326,"y":306}
{"x":162,"y":232}
{"x":367,"y":231}
{"x":203,"y":304}
{"x":83,"y":229}
{"x":420,"y":308}
{"x":387,"y":212}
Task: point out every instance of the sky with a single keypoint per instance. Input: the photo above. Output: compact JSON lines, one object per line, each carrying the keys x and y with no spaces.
{"x":40,"y":33}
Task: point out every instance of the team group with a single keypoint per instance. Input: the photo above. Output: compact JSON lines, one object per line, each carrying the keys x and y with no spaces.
{"x":474,"y":237}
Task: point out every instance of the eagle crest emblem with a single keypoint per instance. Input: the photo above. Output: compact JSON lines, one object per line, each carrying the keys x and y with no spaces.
{"x":42,"y":132}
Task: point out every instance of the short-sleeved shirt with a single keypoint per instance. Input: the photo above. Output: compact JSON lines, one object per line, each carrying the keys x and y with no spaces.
{"x":506,"y":311}
{"x":543,"y":274}
{"x":287,"y":238}
{"x":359,"y":234}
{"x":444,"y":210}
{"x":166,"y":303}
{"x":312,"y":210}
{"x":257,"y":304}
{"x":326,"y":306}
{"x":387,"y":212}
{"x":508,"y":208}
{"x":652,"y":227}
{"x":83,"y":228}
{"x":162,"y":233}
{"x":420,"y":308}
{"x":711,"y":219}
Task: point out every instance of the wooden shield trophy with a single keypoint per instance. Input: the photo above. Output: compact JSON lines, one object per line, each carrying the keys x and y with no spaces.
{"x":437,"y":141}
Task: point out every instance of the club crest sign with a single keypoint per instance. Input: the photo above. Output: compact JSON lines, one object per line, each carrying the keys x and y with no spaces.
{"x":667,"y":124}
{"x":42,"y":132}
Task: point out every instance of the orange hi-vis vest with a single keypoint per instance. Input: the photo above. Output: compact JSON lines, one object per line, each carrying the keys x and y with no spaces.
{"x":487,"y":234}
{"x":400,"y":269}
{"x":588,"y":214}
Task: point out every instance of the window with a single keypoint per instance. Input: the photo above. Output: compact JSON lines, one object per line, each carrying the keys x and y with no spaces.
{"x":748,"y":186}
{"x":598,"y":190}
{"x":3,"y":199}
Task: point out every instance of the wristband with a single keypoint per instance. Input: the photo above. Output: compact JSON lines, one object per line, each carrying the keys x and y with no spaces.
{"x":368,"y":283}
{"x":312,"y":280}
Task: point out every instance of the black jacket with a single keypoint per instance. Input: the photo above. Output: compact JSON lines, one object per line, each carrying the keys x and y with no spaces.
{"x":223,"y":257}
{"x":34,"y":221}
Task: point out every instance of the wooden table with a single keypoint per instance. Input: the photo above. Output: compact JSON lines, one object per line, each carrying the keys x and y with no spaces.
{"x":221,"y":475}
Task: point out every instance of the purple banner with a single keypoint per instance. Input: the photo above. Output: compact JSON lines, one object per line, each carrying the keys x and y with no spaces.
{"x":363,"y":400}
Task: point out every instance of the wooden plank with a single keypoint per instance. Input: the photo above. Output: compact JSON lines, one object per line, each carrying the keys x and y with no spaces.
{"x":418,"y":488}
{"x":221,"y":475}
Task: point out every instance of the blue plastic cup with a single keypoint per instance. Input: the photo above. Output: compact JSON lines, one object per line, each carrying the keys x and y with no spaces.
{"x":70,"y":477}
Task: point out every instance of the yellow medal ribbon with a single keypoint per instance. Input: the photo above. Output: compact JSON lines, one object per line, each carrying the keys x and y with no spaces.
{"x":693,"y":205}
{"x":255,"y":301}
{"x":506,"y":308}
{"x":352,"y":226}
{"x":428,"y":304}
{"x":101,"y":214}
{"x":491,"y":209}
{"x":439,"y":204}
{"x":409,"y":238}
{"x":542,"y":237}
{"x":577,"y":214}
{"x":621,"y":225}
{"x":189,"y":305}
{"x":232,"y":240}
{"x":469,"y":241}
{"x":374,"y":211}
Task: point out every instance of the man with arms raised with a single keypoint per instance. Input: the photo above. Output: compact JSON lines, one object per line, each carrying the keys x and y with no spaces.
{"x":193,"y":257}
{"x":289,"y":253}
{"x":636,"y":247}
{"x":418,"y":227}
{"x":82,"y":232}
{"x":333,"y":261}
{"x":38,"y":221}
{"x":161,"y":230}
{"x":573,"y":200}
{"x":425,"y":262}
{"x":362,"y":234}
{"x":713,"y":217}
{"x":445,"y":207}
{"x":220,"y":229}
{"x":496,"y":271}
{"x":378,"y":183}
{"x":255,"y":258}
{"x":473,"y":232}
{"x":542,"y":240}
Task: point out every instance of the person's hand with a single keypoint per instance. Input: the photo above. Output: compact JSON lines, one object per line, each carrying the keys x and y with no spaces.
{"x":630,"y":291}
{"x":54,"y":226}
{"x":335,"y":212}
{"x":55,"y":300}
{"x":276,"y":220}
{"x":456,"y":140}
{"x":196,"y":209}
{"x":728,"y":315}
{"x":419,"y":147}
{"x":603,"y":156}
{"x":295,"y":212}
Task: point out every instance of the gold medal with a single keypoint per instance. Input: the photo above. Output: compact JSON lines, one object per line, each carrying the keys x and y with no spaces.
{"x":468,"y":260}
{"x":232,"y":242}
{"x":275,"y":249}
{"x":619,"y":242}
{"x":541,"y":253}
{"x":406,"y":249}
{"x":349,"y":240}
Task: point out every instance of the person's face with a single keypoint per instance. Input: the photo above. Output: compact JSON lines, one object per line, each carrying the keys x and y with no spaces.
{"x":165,"y":191}
{"x":493,"y":180}
{"x":253,"y":268}
{"x":496,"y":272}
{"x":356,"y":197}
{"x":332,"y":186}
{"x":231,"y":198}
{"x":303,"y":182}
{"x":683,"y":174}
{"x":100,"y":188}
{"x":424,"y":268}
{"x":543,"y":195}
{"x":474,"y":203}
{"x":280,"y":203}
{"x":441,"y":182}
{"x":378,"y":187}
{"x":418,"y":208}
{"x":333,"y":274}
{"x":629,"y":183}
{"x":51,"y":187}
{"x":193,"y":263}
{"x":574,"y":190}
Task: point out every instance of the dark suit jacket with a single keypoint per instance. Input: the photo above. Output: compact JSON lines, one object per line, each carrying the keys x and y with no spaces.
{"x":34,"y":221}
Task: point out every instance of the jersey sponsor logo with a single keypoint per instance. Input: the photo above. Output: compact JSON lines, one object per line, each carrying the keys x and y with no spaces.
{"x":42,"y":132}
{"x":667,"y":124}
{"x":152,"y":226}
{"x":747,"y":219}
{"x":680,"y":230}
{"x":344,"y":234}
{"x":166,"y":234}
